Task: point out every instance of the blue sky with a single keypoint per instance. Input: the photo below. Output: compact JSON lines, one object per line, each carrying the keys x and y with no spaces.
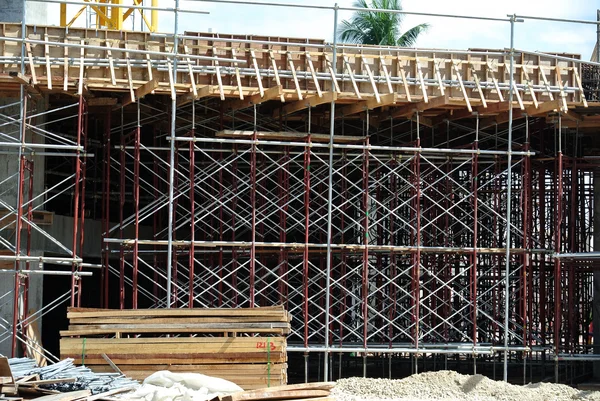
{"x":445,"y":33}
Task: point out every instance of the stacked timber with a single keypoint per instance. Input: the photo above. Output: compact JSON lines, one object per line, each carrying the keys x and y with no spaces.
{"x":305,"y":392}
{"x":245,"y":346}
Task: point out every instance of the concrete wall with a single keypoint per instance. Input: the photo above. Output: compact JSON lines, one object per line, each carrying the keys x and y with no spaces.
{"x":36,"y":12}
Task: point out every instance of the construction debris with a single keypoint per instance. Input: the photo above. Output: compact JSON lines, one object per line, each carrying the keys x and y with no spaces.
{"x":245,"y":346}
{"x":450,"y":385}
{"x":63,"y":377}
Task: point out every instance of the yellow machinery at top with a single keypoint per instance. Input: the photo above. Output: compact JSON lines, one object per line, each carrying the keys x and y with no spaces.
{"x":112,"y":14}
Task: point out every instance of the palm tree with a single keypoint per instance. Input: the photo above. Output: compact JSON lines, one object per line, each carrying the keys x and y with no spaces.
{"x":378,"y":28}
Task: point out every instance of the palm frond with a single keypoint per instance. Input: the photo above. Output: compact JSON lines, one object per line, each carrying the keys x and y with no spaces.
{"x":409,"y":38}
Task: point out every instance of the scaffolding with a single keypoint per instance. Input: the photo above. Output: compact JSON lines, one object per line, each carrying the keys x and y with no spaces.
{"x":397,"y":201}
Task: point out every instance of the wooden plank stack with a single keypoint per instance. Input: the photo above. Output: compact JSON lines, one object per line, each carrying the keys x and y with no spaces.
{"x":296,"y":392}
{"x":245,"y":346}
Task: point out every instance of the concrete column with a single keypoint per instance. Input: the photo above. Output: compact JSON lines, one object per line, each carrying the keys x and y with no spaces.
{"x":37,"y":13}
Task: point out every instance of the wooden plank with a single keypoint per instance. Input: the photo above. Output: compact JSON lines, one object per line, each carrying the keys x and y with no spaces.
{"x":277,"y":395}
{"x":404,"y":82}
{"x":218,"y":73}
{"x":191,"y":72}
{"x":31,"y":64}
{"x":238,"y":77}
{"x":140,"y":92}
{"x":167,"y":320}
{"x":371,"y":79}
{"x":462,"y":86}
{"x":47,"y":56}
{"x":171,"y":82}
{"x":269,"y":94}
{"x":292,"y":391}
{"x":544,"y":108}
{"x":386,"y":75}
{"x":188,"y":98}
{"x":293,"y":69}
{"x":369,"y":104}
{"x":66,"y":67}
{"x":111,"y":64}
{"x":262,"y":311}
{"x":438,"y":75}
{"x":184,"y":341}
{"x":546,"y":84}
{"x":410,"y":109}
{"x":289,"y":136}
{"x":563,"y":95}
{"x":257,"y":72}
{"x":332,"y":75}
{"x":421,"y":80}
{"x":311,"y":101}
{"x":81,"y":68}
{"x":20,"y":78}
{"x":313,"y":74}
{"x":130,"y":78}
{"x":478,"y":86}
{"x":351,"y":75}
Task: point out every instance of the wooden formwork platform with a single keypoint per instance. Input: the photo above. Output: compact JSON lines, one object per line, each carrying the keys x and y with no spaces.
{"x":115,"y":67}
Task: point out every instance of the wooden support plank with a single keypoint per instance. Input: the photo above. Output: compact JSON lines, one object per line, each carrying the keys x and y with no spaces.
{"x":478,"y":85}
{"x":421,"y":80}
{"x":293,"y":69}
{"x":371,"y":79}
{"x":386,"y":75}
{"x":81,"y":67}
{"x":543,"y":108}
{"x":571,"y":115}
{"x":333,"y":75}
{"x":438,"y":75}
{"x":218,"y":72}
{"x":518,"y":96}
{"x":289,"y":136}
{"x":578,"y":80}
{"x":20,"y":78}
{"x":410,"y":109}
{"x":171,"y":83}
{"x":529,"y":86}
{"x":191,"y":72}
{"x":111,"y":64}
{"x":313,"y":73}
{"x":563,"y":95}
{"x":140,"y":92}
{"x":149,"y":66}
{"x":351,"y":75}
{"x":130,"y":77}
{"x":257,"y":72}
{"x":66,"y":67}
{"x":269,"y":94}
{"x":311,"y":101}
{"x":203,"y":91}
{"x":546,"y":84}
{"x":495,"y":81}
{"x":368,"y":104}
{"x":47,"y":56}
{"x":405,"y":83}
{"x":31,"y":64}
{"x":238,"y":77}
{"x":462,"y":86}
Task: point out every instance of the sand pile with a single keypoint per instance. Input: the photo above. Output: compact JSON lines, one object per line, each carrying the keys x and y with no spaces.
{"x":449,"y":385}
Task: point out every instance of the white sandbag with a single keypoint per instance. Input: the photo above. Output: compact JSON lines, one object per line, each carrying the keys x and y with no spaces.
{"x":193,"y":381}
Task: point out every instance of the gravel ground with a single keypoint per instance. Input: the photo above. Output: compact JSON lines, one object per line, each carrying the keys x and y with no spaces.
{"x":449,"y":385}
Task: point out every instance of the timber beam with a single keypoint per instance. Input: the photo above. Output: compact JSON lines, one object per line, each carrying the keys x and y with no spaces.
{"x":369,"y":104}
{"x":311,"y":101}
{"x":268,"y":94}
